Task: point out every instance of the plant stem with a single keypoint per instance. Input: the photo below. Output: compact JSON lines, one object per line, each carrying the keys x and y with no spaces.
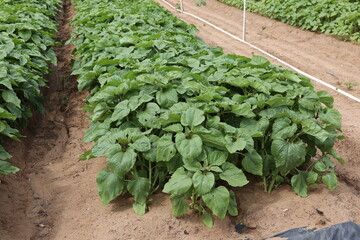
{"x":271,"y":185}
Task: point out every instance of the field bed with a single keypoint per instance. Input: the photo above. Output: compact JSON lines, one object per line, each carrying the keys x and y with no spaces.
{"x":60,"y":201}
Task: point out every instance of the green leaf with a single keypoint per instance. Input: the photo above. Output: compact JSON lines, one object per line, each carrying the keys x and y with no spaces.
{"x":149,"y":117}
{"x":192,"y":117}
{"x":234,"y":144}
{"x":6,"y":168}
{"x":121,"y":110}
{"x":121,"y":162}
{"x":188,"y":148}
{"x":110,"y":185}
{"x":175,"y":128}
{"x":86,"y":155}
{"x":233,"y":175}
{"x":208,"y":220}
{"x":140,"y":189}
{"x":312,"y":177}
{"x":325,"y":98}
{"x":320,"y":166}
{"x":142,"y":144}
{"x":282,"y":129}
{"x":243,"y":110}
{"x":11,"y":97}
{"x":312,"y":128}
{"x":332,"y":116}
{"x":167,"y":97}
{"x":288,"y":155}
{"x":299,"y":183}
{"x":334,"y":153}
{"x":165,"y":149}
{"x":330,"y":180}
{"x":4,"y":154}
{"x":179,"y":183}
{"x":253,"y":163}
{"x":139,"y":208}
{"x":6,"y":115}
{"x":216,"y":157}
{"x":179,"y":205}
{"x":203,"y":182}
{"x":259,"y":61}
{"x":233,"y":211}
{"x":217,"y":200}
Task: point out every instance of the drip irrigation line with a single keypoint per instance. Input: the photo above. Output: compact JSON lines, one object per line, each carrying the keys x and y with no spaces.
{"x":267,"y":54}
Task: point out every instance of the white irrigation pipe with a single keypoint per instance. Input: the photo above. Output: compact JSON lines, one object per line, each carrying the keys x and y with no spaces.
{"x":268,"y":54}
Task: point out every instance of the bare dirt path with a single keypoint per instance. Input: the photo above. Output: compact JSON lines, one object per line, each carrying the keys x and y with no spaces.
{"x":55,"y":196}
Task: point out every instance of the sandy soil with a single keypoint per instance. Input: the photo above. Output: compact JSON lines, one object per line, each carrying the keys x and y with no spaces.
{"x":55,"y":195}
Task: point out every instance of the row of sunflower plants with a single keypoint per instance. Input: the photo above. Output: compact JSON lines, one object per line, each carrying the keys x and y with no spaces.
{"x":172,"y":114}
{"x":27,"y":30}
{"x":340,"y":18}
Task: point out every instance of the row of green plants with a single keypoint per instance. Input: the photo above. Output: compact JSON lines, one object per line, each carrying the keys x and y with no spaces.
{"x":27,"y":30}
{"x":340,"y":18}
{"x":173,"y":114}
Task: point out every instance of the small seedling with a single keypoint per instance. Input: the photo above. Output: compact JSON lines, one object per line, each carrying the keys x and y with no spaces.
{"x":200,"y":2}
{"x":263,"y":28}
{"x":350,"y":85}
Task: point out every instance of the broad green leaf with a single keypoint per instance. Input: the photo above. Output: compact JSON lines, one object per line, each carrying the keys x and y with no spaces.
{"x":330,"y":180}
{"x":243,"y":110}
{"x":6,"y":168}
{"x":149,"y":117}
{"x":299,"y":184}
{"x":110,"y":185}
{"x":320,"y":166}
{"x":233,"y":211}
{"x":233,"y":175}
{"x":179,"y":183}
{"x":312,"y":128}
{"x":140,"y":189}
{"x":11,"y":97}
{"x":282,"y":129}
{"x":121,"y":110}
{"x":259,"y":61}
{"x":312,"y":177}
{"x":332,"y":116}
{"x":174,"y":128}
{"x":167,"y":97}
{"x":216,"y":157}
{"x":96,"y":130}
{"x":288,"y":155}
{"x":208,"y":220}
{"x":217,"y":200}
{"x":325,"y":98}
{"x":234,"y":144}
{"x":121,"y":162}
{"x":6,"y":115}
{"x":142,"y":144}
{"x":192,"y":117}
{"x":165,"y":149}
{"x":203,"y":182}
{"x":188,"y":148}
{"x":253,"y":163}
{"x":280,"y":101}
{"x":179,"y":205}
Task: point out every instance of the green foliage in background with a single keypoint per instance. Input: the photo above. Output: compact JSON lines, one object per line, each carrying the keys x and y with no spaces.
{"x":170,"y":113}
{"x":27,"y":29}
{"x":335,"y":17}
